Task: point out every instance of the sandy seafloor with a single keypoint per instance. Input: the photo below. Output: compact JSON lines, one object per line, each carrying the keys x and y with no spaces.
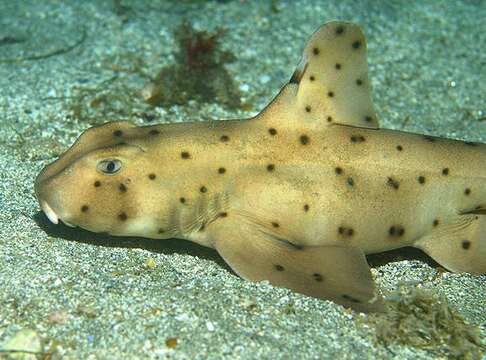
{"x":89,"y":296}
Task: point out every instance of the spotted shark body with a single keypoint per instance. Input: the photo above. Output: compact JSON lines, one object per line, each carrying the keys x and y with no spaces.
{"x":296,"y":195}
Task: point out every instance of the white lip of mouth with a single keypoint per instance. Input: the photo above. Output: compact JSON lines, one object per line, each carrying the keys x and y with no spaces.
{"x":68,"y":224}
{"x":51,"y":215}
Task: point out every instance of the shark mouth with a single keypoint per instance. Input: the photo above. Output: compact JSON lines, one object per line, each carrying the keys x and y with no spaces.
{"x":51,"y":215}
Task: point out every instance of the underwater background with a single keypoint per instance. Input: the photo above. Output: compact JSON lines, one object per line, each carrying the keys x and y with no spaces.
{"x":68,"y":65}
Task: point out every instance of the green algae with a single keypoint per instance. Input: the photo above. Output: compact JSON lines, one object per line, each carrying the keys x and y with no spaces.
{"x":421,"y":319}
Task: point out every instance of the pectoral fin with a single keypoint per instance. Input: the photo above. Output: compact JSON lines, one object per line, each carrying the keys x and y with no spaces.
{"x":340,"y":274}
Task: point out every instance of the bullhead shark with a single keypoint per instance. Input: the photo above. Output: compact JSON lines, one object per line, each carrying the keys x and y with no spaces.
{"x":296,"y":195}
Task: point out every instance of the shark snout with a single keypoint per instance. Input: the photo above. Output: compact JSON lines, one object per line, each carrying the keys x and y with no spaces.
{"x":39,"y":188}
{"x":44,"y":188}
{"x":51,"y":214}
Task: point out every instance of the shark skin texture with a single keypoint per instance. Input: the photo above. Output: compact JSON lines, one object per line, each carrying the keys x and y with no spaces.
{"x":296,"y":195}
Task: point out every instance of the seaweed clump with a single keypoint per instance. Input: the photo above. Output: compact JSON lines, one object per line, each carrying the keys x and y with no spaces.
{"x":418,"y":318}
{"x":198,"y":74}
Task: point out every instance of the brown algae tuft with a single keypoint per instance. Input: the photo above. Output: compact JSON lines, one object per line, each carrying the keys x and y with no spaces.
{"x":198,"y":74}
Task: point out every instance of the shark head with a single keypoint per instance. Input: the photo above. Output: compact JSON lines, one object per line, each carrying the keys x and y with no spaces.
{"x":91,"y":184}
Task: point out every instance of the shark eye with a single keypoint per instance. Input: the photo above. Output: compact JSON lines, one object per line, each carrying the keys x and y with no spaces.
{"x":110,"y":166}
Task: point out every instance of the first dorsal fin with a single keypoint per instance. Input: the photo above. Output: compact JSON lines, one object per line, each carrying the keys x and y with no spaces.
{"x":333,"y":77}
{"x":330,"y":85}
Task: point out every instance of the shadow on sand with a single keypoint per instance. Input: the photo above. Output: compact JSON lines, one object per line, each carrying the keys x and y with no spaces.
{"x":179,"y":246}
{"x":162,"y":246}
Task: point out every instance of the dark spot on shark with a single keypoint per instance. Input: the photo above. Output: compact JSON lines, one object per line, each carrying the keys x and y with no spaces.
{"x":308,"y":108}
{"x":345,"y":231}
{"x":185,"y":155}
{"x":275,"y":224}
{"x":279,"y":267}
{"x":466,"y":244}
{"x":339,"y":30}
{"x":122,"y":216}
{"x":182,"y":200}
{"x":356,"y":45}
{"x":221,"y":170}
{"x":306,"y":207}
{"x":350,"y":298}
{"x":223,"y":214}
{"x":317,"y":277}
{"x":329,"y":119}
{"x":154,"y":132}
{"x":357,"y":138}
{"x":445,"y":171}
{"x":393,"y":183}
{"x":368,"y":118}
{"x":304,"y":139}
{"x":312,"y":78}
{"x":97,"y":183}
{"x":122,"y":188}
{"x":203,"y":189}
{"x":359,"y":82}
{"x":117,"y":133}
{"x":421,"y":179}
{"x":338,"y":66}
{"x":315,"y":51}
{"x":330,"y":94}
{"x":161,"y":231}
{"x":435,"y":222}
{"x":467,"y":191}
{"x":338,"y":170}
{"x":152,"y":176}
{"x":84,"y":208}
{"x":350,"y":181}
{"x":270,"y":167}
{"x":396,"y":230}
{"x":224,"y":138}
{"x":272,"y":131}
{"x":399,"y":147}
